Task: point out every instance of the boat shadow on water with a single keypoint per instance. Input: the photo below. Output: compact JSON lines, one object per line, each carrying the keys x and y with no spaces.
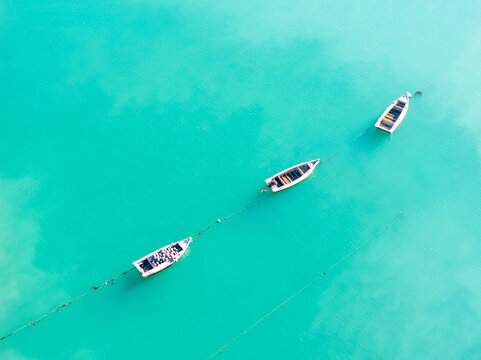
{"x":372,"y":140}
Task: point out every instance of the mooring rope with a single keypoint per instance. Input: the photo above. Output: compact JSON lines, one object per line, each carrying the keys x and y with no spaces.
{"x":266,"y":188}
{"x":109,"y":282}
{"x":334,"y":153}
{"x":228,"y":217}
{"x":345,"y":145}
{"x":62,"y":306}
{"x":306,"y":286}
{"x":196,"y":236}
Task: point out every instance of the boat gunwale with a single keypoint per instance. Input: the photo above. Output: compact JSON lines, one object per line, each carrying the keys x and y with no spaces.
{"x":296,"y":181}
{"x":161,"y":267}
{"x":404,"y":98}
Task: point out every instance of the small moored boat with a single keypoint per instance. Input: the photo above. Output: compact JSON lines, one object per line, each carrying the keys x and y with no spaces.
{"x":291,"y":176}
{"x":394,"y":114}
{"x":162,"y":258}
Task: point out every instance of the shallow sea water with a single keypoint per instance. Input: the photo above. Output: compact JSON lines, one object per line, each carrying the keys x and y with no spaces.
{"x":126,"y":125}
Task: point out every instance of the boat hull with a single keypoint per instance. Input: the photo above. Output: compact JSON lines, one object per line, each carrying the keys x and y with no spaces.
{"x":275,"y":188}
{"x":147,"y":265}
{"x":384,"y":122}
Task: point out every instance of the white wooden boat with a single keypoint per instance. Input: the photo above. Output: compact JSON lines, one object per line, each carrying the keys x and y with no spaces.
{"x":394,"y":114}
{"x":162,"y":258}
{"x":291,"y":176}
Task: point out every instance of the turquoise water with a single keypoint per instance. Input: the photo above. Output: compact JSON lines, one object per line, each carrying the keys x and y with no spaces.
{"x":126,"y":125}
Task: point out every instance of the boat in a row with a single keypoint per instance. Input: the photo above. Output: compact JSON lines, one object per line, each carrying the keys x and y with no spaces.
{"x":392,"y":117}
{"x":168,"y":255}
{"x":389,"y":121}
{"x":162,"y":258}
{"x":291,"y":176}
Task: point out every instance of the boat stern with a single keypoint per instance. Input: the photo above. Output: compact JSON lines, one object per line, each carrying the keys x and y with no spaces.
{"x":272,"y":184}
{"x":150,"y":264}
{"x":143,"y":266}
{"x":385,"y":129}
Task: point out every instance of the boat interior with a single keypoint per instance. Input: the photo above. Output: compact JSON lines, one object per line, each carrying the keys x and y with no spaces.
{"x":291,"y":175}
{"x":146,"y":265}
{"x":161,"y":256}
{"x":390,"y":118}
{"x":304,"y":168}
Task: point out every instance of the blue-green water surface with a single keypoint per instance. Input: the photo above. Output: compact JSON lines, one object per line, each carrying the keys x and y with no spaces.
{"x":126,"y":125}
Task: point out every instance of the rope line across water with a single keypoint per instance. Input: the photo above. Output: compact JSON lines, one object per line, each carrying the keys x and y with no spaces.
{"x":318,"y":277}
{"x":228,"y":217}
{"x":345,"y":145}
{"x":109,"y":282}
{"x":306,"y":286}
{"x":196,"y":236}
{"x":92,"y":289}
